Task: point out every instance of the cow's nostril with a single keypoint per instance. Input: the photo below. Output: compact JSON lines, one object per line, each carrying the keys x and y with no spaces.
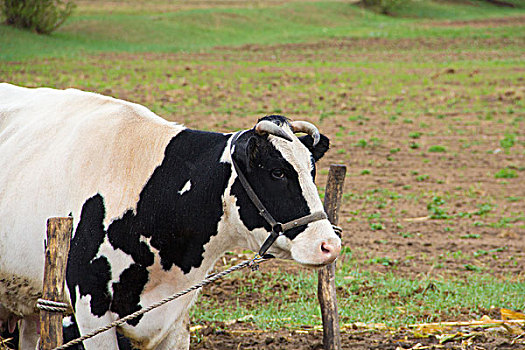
{"x":326,"y":248}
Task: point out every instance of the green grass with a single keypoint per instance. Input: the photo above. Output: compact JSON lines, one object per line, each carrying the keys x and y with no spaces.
{"x":506,"y":173}
{"x":460,"y":11}
{"x":202,"y":29}
{"x":362,"y":297}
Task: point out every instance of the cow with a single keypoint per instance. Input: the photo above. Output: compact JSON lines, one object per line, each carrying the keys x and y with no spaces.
{"x":155,"y":204}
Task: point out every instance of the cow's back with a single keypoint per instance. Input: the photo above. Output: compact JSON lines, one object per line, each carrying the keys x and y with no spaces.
{"x":61,"y":147}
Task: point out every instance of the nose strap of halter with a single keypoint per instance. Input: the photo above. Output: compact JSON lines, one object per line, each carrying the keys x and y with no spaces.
{"x":278,"y":229}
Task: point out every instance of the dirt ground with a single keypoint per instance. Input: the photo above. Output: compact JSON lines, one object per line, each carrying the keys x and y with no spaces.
{"x":358,"y":340}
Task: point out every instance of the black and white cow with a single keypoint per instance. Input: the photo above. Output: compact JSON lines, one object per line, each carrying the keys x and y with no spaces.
{"x":155,"y":205}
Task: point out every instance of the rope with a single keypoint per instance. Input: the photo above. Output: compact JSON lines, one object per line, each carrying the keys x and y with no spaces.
{"x":53,"y":306}
{"x":253,"y":263}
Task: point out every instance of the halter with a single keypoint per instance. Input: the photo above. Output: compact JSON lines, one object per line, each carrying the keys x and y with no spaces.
{"x":278,"y":229}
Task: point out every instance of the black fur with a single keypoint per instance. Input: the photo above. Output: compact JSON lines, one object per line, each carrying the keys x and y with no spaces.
{"x":283,"y":198}
{"x":90,"y":274}
{"x":179,"y":225}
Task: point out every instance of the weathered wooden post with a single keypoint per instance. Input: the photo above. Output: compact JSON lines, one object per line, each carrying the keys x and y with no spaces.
{"x":58,"y":239}
{"x":326,"y":277}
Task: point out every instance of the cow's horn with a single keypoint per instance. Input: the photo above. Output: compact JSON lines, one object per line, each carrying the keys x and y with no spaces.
{"x":306,"y":127}
{"x":267,"y":127}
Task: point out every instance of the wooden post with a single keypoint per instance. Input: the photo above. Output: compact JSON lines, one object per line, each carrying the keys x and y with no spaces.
{"x":58,"y":240}
{"x":326,"y":275}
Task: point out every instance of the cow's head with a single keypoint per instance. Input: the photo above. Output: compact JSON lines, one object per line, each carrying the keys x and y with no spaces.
{"x":280,"y":167}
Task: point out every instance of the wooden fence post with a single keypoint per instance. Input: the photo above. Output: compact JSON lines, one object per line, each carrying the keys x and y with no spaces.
{"x":58,"y":240}
{"x":326,"y":276}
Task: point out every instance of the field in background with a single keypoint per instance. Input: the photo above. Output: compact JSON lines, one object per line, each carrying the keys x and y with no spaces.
{"x":425,"y":109}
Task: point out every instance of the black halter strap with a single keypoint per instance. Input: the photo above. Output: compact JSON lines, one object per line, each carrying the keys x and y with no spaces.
{"x":278,"y":228}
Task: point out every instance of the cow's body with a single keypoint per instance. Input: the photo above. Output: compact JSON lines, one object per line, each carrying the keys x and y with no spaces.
{"x":154,"y":205}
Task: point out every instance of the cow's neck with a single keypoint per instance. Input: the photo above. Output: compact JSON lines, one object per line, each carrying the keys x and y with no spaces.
{"x":181,"y":205}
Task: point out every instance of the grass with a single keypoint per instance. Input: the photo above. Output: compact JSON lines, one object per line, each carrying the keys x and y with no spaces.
{"x":202,"y":29}
{"x":363,"y":297}
{"x":506,"y":173}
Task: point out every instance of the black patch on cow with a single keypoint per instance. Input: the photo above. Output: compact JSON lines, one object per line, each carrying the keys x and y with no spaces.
{"x":317,"y":151}
{"x":178,"y":225}
{"x":83,"y":270}
{"x":283,"y":198}
{"x":126,"y":292}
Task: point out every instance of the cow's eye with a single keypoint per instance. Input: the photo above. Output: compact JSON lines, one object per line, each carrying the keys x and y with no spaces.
{"x":278,"y":173}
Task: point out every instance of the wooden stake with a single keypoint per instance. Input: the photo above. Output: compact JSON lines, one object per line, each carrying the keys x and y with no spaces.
{"x":326,"y":275}
{"x":58,"y":239}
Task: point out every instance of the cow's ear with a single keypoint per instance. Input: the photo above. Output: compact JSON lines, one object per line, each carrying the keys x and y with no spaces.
{"x":246,"y":151}
{"x":318,"y":150}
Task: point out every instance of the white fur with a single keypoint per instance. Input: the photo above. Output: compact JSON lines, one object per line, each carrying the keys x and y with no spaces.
{"x":185,"y":188}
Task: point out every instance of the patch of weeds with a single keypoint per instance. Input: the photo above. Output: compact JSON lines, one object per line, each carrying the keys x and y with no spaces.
{"x":422,"y":178}
{"x":374,"y":141}
{"x":405,"y":234}
{"x":508,"y":141}
{"x":498,"y":250}
{"x":414,"y":135}
{"x":470,"y":267}
{"x":395,"y":150}
{"x":435,"y":208}
{"x":358,"y":118}
{"x":449,"y":229}
{"x":471,"y":235}
{"x":407,"y":187}
{"x":374,"y":216}
{"x":506,"y":173}
{"x":385,"y":261}
{"x":414,"y":145}
{"x":376,"y":226}
{"x":346,"y":250}
{"x":341,"y":151}
{"x":408,"y":121}
{"x":501,"y":223}
{"x":365,"y":172}
{"x":478,"y":223}
{"x":483,"y":209}
{"x":361,"y":143}
{"x":480,"y":252}
{"x":437,"y":149}
{"x":325,"y":115}
{"x":507,"y":221}
{"x":458,"y":255}
{"x":513,"y":199}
